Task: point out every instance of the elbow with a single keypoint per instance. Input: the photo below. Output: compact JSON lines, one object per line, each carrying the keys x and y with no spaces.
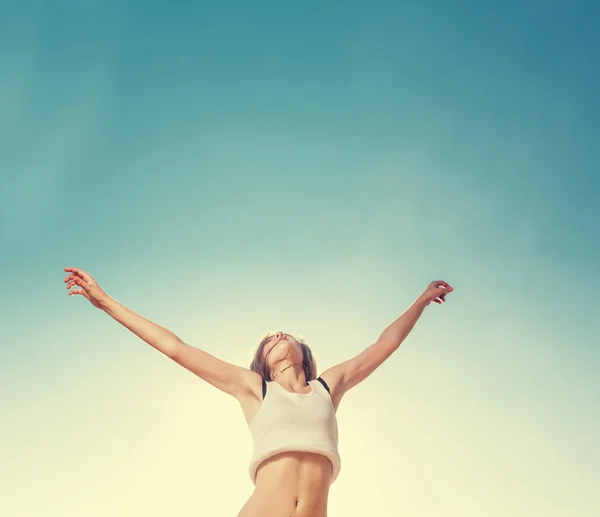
{"x":173,"y":348}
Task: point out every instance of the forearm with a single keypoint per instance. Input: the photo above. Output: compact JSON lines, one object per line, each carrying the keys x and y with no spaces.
{"x":156,"y":336}
{"x":397,"y":331}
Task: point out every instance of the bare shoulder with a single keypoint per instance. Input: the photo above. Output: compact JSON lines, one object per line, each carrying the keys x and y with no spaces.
{"x":230,"y":378}
{"x":250,"y":399}
{"x":332,"y":378}
{"x":252,"y":384}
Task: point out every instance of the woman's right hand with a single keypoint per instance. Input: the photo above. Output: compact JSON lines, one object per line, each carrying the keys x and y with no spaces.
{"x":87,"y":287}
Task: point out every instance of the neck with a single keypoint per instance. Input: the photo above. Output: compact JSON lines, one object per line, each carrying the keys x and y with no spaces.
{"x":290,"y":374}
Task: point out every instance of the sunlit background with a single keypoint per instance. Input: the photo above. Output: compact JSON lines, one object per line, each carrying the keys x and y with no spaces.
{"x":306,"y":166}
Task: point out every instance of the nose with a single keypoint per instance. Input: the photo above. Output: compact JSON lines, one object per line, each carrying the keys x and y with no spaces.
{"x":281,"y":336}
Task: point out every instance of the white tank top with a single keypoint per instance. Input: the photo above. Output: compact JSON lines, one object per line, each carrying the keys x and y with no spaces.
{"x":295,"y":422}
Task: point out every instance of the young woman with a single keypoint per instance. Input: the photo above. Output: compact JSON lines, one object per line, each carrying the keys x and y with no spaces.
{"x":289,"y":410}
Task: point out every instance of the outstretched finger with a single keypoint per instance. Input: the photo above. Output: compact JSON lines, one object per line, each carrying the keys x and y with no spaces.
{"x":80,"y":282}
{"x":81,"y":273}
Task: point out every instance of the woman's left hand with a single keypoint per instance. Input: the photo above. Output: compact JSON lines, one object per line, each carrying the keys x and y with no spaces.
{"x":436,"y":292}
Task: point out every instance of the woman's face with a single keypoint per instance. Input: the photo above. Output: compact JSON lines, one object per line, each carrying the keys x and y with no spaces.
{"x":280,"y":346}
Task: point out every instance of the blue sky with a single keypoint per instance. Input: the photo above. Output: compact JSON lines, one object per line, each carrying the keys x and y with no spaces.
{"x":232,"y":168}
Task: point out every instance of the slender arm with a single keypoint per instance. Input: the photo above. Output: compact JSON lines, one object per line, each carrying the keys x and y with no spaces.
{"x":348,"y":374}
{"x":227,"y":377}
{"x":232,"y":379}
{"x":395,"y":333}
{"x":156,"y":336}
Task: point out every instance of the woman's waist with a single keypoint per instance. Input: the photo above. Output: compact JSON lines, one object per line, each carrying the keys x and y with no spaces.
{"x":296,"y":472}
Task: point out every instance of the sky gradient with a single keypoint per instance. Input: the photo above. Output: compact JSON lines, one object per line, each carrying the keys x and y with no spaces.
{"x":228,"y":169}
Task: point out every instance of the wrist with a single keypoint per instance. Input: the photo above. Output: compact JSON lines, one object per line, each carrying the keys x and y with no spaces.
{"x":106,"y":303}
{"x":423,"y":300}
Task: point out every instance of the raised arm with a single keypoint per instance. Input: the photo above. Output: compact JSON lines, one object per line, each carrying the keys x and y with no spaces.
{"x":231,"y":379}
{"x":346,"y":375}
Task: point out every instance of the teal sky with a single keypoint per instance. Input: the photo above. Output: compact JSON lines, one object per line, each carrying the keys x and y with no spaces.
{"x":311,"y":166}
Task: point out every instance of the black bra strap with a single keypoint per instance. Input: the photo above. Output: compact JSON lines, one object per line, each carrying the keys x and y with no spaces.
{"x":324,"y":384}
{"x":264,"y":388}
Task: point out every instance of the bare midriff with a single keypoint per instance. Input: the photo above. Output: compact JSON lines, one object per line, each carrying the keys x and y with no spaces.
{"x":291,"y":484}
